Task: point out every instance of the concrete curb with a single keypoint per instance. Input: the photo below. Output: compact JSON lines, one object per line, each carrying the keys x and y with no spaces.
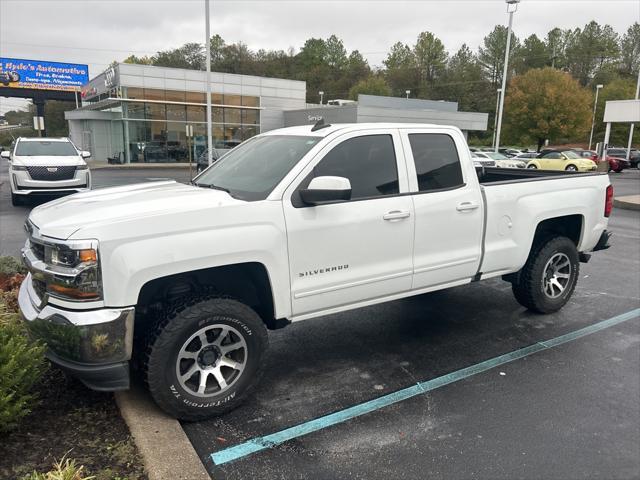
{"x":140,"y":166}
{"x":628,"y":202}
{"x":165,"y":448}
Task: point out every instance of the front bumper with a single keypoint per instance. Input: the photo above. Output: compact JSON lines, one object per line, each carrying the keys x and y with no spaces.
{"x":93,"y":345}
{"x":23,"y":184}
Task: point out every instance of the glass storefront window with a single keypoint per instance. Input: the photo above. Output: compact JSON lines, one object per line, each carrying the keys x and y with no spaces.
{"x":174,"y":96}
{"x":232,"y":136}
{"x":251,"y":117}
{"x":217,"y":115}
{"x":232,"y":115}
{"x":250,"y":101}
{"x":176,"y":113}
{"x":177,"y":142}
{"x":196,"y":114}
{"x":134,"y":110}
{"x":132,"y":92}
{"x":216,"y":99}
{"x":154,"y":94}
{"x":155,"y":111}
{"x":139,"y":134}
{"x":232,"y":100}
{"x":195,"y":97}
{"x":218,"y":136}
{"x":248,"y":132}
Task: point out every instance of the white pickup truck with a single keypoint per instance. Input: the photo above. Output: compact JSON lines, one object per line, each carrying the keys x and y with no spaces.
{"x":185,"y":280}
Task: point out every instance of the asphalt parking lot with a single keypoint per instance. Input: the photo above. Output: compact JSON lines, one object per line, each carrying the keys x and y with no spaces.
{"x":563,"y":410}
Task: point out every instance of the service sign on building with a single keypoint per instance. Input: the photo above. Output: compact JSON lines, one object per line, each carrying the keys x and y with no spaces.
{"x":42,"y":75}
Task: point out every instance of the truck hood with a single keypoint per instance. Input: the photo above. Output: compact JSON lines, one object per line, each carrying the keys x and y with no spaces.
{"x":63,"y":217}
{"x":48,"y":160}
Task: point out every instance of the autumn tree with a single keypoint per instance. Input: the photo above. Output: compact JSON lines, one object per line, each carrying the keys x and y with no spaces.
{"x":546,"y":103}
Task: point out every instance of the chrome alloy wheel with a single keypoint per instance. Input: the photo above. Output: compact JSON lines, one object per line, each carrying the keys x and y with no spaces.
{"x":211,"y":360}
{"x":556,"y":275}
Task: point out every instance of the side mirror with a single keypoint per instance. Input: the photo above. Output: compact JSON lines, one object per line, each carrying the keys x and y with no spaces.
{"x":6,"y":154}
{"x":326,"y":190}
{"x":85,"y":154}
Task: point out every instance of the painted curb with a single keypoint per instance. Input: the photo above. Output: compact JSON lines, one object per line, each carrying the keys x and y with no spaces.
{"x":163,"y":445}
{"x":629,"y":202}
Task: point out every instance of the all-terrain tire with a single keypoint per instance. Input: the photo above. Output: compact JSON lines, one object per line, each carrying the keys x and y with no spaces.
{"x":167,"y":341}
{"x":529,"y":289}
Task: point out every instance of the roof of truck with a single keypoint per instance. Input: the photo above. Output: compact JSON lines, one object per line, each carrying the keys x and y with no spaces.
{"x":326,"y":130}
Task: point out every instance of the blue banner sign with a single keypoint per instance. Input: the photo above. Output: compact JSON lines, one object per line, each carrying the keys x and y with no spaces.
{"x":41,"y":75}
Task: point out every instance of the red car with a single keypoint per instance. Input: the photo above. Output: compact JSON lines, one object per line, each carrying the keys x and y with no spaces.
{"x":616,"y":164}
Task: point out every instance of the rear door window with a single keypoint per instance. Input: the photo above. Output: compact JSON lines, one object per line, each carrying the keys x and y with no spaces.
{"x":437,"y":161}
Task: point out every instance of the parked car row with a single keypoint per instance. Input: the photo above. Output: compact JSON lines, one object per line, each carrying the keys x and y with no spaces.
{"x":572,"y":159}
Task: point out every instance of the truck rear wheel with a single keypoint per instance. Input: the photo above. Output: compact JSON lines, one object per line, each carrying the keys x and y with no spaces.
{"x":204,"y":357}
{"x":547,"y":281}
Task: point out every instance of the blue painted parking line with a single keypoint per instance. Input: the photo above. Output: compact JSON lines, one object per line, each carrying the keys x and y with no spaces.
{"x":261,"y":443}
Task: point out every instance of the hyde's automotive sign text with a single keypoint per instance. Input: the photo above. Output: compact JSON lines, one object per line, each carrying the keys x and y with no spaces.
{"x":37,"y":74}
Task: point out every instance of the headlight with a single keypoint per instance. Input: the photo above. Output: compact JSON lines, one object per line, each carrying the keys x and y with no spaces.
{"x":17,"y":168}
{"x":82,"y":167}
{"x":74,"y":272}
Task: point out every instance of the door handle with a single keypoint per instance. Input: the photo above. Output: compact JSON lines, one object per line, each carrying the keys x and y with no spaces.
{"x":466,"y":206}
{"x":396,"y":215}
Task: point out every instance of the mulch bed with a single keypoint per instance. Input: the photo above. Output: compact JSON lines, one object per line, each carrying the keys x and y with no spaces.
{"x":71,"y":420}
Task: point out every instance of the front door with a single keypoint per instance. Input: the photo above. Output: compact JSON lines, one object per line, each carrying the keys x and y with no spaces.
{"x":358,"y":250}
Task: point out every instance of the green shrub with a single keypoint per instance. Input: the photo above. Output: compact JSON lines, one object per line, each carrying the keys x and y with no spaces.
{"x":10,"y":266}
{"x":65,"y":469}
{"x":22,"y":364}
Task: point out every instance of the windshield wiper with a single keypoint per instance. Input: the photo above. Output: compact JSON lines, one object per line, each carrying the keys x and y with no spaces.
{"x":212,"y":186}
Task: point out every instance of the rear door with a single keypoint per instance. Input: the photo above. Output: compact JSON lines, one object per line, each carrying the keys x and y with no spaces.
{"x":448,"y":207}
{"x":357,"y":250}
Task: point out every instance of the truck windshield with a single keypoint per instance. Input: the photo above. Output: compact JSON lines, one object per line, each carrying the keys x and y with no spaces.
{"x":253,"y":169}
{"x":34,"y":148}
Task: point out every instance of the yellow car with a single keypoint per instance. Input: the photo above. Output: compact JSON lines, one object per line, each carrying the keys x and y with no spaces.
{"x":563,"y":160}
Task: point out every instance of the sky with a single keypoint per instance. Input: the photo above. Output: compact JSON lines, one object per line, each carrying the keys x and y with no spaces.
{"x":96,"y":32}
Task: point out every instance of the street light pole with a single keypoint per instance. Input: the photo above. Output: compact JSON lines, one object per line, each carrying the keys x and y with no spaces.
{"x":593,"y":117}
{"x":208,"y":50}
{"x":633,"y":125}
{"x":512,"y":6}
{"x":495,"y":118}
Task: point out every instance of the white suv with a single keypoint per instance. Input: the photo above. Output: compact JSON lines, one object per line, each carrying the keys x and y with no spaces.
{"x":46,"y":166}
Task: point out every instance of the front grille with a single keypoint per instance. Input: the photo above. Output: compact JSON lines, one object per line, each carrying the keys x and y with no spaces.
{"x":39,"y":287}
{"x":38,"y":250}
{"x":52,"y":173}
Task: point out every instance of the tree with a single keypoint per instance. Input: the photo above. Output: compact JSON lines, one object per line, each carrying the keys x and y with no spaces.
{"x":491,"y":54}
{"x":401,"y":69}
{"x":533,"y":54}
{"x":431,"y":60}
{"x":190,"y":55}
{"x":464,"y":82}
{"x":630,"y":50}
{"x":546,"y":103}
{"x":618,"y":89}
{"x":144,"y":60}
{"x":591,"y":50}
{"x":374,"y":85}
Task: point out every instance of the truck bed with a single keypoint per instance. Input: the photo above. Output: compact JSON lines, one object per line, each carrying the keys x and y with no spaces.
{"x":498,"y":176}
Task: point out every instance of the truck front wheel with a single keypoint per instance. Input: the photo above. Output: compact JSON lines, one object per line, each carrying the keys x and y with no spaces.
{"x":204,"y":357}
{"x":547,"y":281}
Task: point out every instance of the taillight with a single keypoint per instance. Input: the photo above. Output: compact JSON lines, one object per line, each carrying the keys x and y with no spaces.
{"x":608,"y":202}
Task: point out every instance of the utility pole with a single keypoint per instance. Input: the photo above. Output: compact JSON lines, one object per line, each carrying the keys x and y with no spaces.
{"x":512,"y":6}
{"x":208,"y":50}
{"x":593,"y":116}
{"x":632,"y":125}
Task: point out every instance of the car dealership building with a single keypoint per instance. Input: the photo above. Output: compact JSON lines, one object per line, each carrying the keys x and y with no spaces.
{"x":139,"y":113}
